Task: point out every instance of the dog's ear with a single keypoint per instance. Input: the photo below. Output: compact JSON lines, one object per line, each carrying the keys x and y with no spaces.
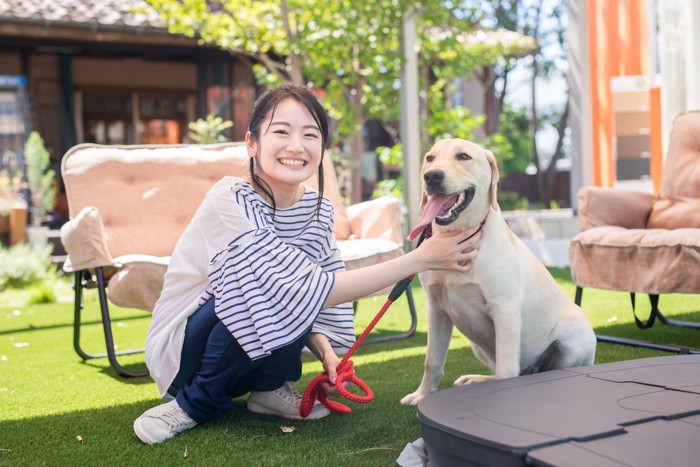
{"x":493,"y":190}
{"x":424,"y":197}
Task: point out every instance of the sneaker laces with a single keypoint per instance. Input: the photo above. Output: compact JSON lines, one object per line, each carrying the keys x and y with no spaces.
{"x":289,"y":392}
{"x":176,"y":417}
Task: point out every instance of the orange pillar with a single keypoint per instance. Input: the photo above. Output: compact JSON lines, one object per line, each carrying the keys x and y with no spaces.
{"x":657,"y":155}
{"x":618,"y":45}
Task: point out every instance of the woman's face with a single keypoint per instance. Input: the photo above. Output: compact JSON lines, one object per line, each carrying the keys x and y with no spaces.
{"x":289,"y":148}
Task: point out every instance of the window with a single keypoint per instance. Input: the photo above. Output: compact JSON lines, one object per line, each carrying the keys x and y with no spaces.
{"x":134,"y":118}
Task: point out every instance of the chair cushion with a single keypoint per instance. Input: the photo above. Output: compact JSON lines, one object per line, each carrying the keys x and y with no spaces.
{"x":670,"y":213}
{"x":84,"y":240}
{"x":637,"y":260}
{"x":361,"y":252}
{"x":679,"y":199}
{"x":606,"y":206}
{"x":137,"y":284}
{"x":146,"y":195}
{"x":377,"y":218}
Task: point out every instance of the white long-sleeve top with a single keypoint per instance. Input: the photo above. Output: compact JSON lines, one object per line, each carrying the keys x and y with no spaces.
{"x":269,"y":276}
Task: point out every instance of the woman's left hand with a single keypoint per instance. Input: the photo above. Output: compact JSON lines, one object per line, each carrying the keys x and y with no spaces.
{"x":330,"y":365}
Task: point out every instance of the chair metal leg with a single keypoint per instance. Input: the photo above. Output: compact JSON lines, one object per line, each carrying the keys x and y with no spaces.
{"x":412,"y":329}
{"x":649,"y":345}
{"x":655,"y":313}
{"x":676,"y":322}
{"x":579,"y":295}
{"x":111,"y":353}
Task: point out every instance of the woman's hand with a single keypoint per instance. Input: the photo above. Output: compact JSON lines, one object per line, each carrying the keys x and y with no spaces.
{"x":319,"y":345}
{"x":452,"y":250}
{"x":330,"y":364}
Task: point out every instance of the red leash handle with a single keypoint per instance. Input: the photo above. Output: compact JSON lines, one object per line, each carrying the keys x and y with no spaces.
{"x":315,"y":389}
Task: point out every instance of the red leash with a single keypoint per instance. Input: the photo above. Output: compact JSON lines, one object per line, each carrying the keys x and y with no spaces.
{"x":315,"y":389}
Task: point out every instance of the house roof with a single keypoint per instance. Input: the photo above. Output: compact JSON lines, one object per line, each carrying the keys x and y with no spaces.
{"x":90,"y":24}
{"x":112,"y":14}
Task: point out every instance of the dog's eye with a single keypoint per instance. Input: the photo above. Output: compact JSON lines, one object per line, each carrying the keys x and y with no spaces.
{"x":429,"y":158}
{"x":463,"y":156}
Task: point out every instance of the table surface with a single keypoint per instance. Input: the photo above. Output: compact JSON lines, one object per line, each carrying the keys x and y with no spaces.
{"x":636,"y":412}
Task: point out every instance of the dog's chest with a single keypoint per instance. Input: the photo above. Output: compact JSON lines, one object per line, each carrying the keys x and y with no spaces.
{"x":465,"y":305}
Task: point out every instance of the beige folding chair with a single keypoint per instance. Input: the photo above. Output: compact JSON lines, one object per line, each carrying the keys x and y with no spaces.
{"x":128,"y":206}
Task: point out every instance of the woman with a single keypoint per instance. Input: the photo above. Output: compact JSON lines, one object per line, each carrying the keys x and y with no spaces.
{"x":256,"y":277}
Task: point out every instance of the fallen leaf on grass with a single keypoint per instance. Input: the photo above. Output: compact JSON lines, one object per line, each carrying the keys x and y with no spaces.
{"x":79,"y":439}
{"x":287,"y":429}
{"x":612,"y":319}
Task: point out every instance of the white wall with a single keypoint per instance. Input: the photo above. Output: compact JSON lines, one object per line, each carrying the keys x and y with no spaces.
{"x":580,"y":98}
{"x":679,"y":58}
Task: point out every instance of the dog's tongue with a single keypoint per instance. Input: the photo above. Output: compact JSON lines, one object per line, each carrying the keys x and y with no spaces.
{"x":435,"y":204}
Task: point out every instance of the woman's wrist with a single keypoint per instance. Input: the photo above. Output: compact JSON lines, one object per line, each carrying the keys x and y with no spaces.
{"x":418,"y":260}
{"x":320,"y":346}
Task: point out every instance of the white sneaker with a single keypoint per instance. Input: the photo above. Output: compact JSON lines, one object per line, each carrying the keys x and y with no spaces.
{"x":285,"y":402}
{"x":162,"y":422}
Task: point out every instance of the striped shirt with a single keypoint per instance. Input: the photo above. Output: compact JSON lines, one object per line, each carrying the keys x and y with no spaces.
{"x":268,"y":274}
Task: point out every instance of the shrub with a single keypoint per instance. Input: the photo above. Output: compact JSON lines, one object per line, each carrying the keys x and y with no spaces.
{"x":21,"y":265}
{"x":207,"y":131}
{"x":511,"y":201}
{"x":42,"y":293}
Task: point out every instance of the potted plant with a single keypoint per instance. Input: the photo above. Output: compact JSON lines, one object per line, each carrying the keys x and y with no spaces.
{"x":40,"y":181}
{"x":208,"y":131}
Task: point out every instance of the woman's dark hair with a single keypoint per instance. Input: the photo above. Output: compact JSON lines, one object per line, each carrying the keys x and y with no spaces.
{"x":266,"y":105}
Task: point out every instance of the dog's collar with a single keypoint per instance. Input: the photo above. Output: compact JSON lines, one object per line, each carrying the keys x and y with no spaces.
{"x":428,"y":231}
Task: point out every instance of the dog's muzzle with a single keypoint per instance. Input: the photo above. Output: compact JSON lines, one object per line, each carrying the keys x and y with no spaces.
{"x":434,"y":181}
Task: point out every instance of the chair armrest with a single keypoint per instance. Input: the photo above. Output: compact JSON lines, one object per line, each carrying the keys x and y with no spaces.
{"x":84,"y":239}
{"x":606,"y":206}
{"x":377,"y":218}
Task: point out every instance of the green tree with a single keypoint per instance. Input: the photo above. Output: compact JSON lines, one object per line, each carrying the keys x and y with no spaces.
{"x":349,"y":49}
{"x":542,"y":20}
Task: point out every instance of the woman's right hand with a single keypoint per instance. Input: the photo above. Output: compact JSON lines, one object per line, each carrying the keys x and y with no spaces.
{"x":452,"y":250}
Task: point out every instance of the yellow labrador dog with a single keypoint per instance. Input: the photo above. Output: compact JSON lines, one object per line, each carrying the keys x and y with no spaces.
{"x":518,"y":319}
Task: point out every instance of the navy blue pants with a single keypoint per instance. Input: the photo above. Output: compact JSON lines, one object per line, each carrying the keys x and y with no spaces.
{"x":214,"y":368}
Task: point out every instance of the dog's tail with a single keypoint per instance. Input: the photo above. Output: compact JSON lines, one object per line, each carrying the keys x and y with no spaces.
{"x":550,"y":359}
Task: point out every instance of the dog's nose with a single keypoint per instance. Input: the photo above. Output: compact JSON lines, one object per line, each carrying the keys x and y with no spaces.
{"x":434,"y":178}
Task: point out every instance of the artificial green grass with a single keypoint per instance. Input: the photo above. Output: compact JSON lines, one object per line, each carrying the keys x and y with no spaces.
{"x":50,"y":399}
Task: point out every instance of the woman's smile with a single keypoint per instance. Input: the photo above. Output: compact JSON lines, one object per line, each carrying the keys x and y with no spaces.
{"x":288,"y":162}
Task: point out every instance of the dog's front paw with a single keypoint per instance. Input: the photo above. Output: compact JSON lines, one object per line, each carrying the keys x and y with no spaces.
{"x":413,"y":399}
{"x":469,"y":379}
